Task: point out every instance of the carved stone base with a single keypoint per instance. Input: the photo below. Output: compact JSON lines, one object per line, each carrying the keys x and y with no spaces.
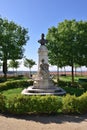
{"x":43,"y":84}
{"x":34,"y":91}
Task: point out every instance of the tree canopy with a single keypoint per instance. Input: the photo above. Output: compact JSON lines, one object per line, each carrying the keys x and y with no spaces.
{"x":68,"y":44}
{"x":29,"y":63}
{"x":12,"y":39}
{"x":14,"y":64}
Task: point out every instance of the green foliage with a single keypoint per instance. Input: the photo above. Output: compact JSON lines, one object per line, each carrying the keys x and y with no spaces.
{"x":17,"y":105}
{"x":15,"y":84}
{"x":70,"y":104}
{"x":52,"y":104}
{"x":44,"y":104}
{"x":29,"y":63}
{"x":11,"y":93}
{"x":17,"y":77}
{"x":83,"y":85}
{"x":64,"y":83}
{"x":67,"y":44}
{"x":20,"y":104}
{"x":73,"y":104}
{"x":2,"y":103}
{"x":47,"y":104}
{"x":82,"y":104}
{"x":74,"y":91}
{"x":34,"y":104}
{"x":12,"y":39}
{"x":14,"y":64}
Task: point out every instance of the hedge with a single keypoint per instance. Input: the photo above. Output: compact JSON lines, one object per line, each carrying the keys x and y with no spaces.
{"x":83,"y":85}
{"x":44,"y":104}
{"x":15,"y":84}
{"x":82,"y":103}
{"x":34,"y":104}
{"x":70,"y":104}
{"x":41,"y":104}
{"x":2,"y":103}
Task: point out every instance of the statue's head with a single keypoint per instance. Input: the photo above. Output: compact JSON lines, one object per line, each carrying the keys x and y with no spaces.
{"x":42,"y":35}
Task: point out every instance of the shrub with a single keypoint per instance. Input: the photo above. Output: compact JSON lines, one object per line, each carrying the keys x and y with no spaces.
{"x":83,"y":85}
{"x":2,"y":80}
{"x":73,"y":91}
{"x":41,"y":104}
{"x":70,"y":104}
{"x":3,"y":86}
{"x":49,"y":104}
{"x":17,"y":105}
{"x":34,"y":104}
{"x":63,"y":83}
{"x":44,"y":104}
{"x":82,"y":104}
{"x":15,"y":84}
{"x":2,"y":103}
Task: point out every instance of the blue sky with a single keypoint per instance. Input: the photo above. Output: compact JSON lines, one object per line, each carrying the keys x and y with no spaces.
{"x":39,"y":15}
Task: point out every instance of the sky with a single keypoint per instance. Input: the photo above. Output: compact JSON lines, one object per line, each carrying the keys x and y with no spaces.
{"x":39,"y":15}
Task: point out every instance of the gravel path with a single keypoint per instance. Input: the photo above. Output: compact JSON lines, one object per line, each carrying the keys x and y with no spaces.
{"x":31,"y":122}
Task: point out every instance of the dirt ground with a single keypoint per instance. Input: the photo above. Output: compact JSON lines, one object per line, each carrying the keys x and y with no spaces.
{"x":35,"y":122}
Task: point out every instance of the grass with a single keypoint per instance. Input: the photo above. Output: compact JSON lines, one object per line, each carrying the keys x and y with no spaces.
{"x":69,"y":78}
{"x":11,"y":93}
{"x":17,"y":78}
{"x":71,"y":90}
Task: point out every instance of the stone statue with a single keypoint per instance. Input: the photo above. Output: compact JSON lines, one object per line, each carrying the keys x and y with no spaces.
{"x":44,"y":69}
{"x":42,"y":41}
{"x":43,"y":84}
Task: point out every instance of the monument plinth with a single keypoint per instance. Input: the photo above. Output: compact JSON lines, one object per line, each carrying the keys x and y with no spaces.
{"x":43,"y":84}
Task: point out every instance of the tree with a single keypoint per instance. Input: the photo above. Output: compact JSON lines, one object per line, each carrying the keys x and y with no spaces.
{"x":14,"y":64}
{"x":54,"y":49}
{"x":68,"y":34}
{"x":29,"y":63}
{"x":74,"y":38}
{"x":12,"y":39}
{"x":75,"y":67}
{"x":71,"y":39}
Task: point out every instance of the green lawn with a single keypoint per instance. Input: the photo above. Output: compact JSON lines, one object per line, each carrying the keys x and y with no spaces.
{"x":65,"y":82}
{"x":69,"y":78}
{"x":71,"y":90}
{"x":17,"y":78}
{"x":12,"y":92}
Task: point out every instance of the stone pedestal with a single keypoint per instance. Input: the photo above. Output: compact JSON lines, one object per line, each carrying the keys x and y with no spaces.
{"x":42,"y":79}
{"x":42,"y":54}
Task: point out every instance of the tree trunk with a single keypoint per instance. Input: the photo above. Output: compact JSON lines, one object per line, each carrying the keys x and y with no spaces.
{"x":16,"y":71}
{"x":29,"y":72}
{"x":57,"y":74}
{"x":64,"y":70}
{"x":75,"y":72}
{"x":72,"y":71}
{"x":5,"y":68}
{"x":81,"y":71}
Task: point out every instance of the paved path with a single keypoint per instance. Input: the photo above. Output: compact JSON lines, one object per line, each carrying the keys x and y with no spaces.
{"x":60,"y":122}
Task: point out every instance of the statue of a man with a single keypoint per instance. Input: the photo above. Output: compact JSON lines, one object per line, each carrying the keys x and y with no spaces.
{"x":42,"y":41}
